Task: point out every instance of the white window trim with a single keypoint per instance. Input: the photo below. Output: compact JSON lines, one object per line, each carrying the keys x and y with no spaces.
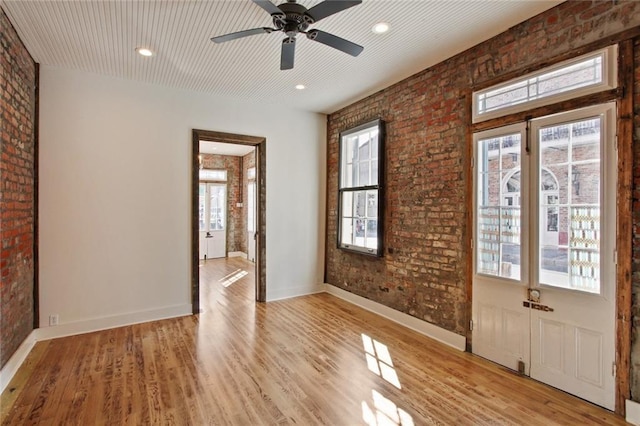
{"x":609,"y":81}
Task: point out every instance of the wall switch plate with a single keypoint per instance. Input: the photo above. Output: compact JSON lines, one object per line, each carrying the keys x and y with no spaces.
{"x":238,"y":204}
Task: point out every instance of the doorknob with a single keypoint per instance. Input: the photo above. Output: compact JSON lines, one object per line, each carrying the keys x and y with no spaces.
{"x":533,"y":295}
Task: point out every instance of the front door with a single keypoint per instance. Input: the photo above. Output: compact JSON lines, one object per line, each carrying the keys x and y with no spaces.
{"x":544,"y":287}
{"x":212,"y":220}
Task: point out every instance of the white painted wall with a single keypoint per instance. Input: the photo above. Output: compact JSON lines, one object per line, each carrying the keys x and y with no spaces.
{"x":115,"y":164}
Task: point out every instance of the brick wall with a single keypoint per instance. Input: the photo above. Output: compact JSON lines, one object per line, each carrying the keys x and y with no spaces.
{"x":17,"y":151}
{"x":424,"y":269}
{"x":234,"y":213}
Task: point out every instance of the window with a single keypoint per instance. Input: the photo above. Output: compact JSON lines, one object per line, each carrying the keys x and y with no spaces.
{"x":566,"y":209}
{"x":210,"y":174}
{"x":580,"y":76}
{"x":360,"y":189}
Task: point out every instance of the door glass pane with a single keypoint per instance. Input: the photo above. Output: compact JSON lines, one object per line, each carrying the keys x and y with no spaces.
{"x":498,"y":215}
{"x":569,"y":200}
{"x":217,"y":207}
{"x":202,"y":189}
{"x":251,"y":225}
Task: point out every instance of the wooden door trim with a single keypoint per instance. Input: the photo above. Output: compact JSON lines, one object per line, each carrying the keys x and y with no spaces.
{"x":624,"y":215}
{"x":261,"y":224}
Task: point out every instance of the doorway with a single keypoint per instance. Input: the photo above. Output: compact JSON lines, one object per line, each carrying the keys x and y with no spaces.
{"x":544,"y":274}
{"x":259,"y":143}
{"x":212,"y":220}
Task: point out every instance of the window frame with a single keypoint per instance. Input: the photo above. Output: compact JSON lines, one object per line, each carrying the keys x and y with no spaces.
{"x":342,"y":189}
{"x":609,"y":81}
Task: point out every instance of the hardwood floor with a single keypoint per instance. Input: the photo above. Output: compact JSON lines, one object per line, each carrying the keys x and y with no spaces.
{"x":309,"y":360}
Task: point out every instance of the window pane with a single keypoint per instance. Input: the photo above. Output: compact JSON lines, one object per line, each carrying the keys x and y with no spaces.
{"x":201,"y":206}
{"x":251,"y":173}
{"x":364,"y":147}
{"x":347,"y":236}
{"x":217,"y":208}
{"x":498,"y":220}
{"x":208,"y":174}
{"x":570,"y":211}
{"x":360,"y":203}
{"x":347,"y":204}
{"x":251,"y":224}
{"x":372,"y":204}
{"x":583,"y":75}
{"x":363,"y":174}
{"x":372,"y":234}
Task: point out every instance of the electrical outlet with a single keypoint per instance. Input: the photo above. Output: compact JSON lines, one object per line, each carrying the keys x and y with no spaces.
{"x":53,"y":319}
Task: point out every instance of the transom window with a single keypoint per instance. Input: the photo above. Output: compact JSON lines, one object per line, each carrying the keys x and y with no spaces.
{"x":359,"y":227}
{"x":213,"y":174}
{"x":580,"y":76}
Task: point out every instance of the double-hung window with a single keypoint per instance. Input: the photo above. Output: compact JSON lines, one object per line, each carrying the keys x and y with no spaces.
{"x":360,"y":189}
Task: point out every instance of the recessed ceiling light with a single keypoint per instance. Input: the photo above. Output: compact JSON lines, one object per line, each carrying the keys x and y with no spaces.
{"x":380,"y":28}
{"x":144,"y":51}
{"x":300,"y":86}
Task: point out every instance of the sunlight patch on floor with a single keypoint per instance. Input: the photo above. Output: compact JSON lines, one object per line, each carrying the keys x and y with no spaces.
{"x":233,"y":277}
{"x":379,"y":360}
{"x":384,"y":412}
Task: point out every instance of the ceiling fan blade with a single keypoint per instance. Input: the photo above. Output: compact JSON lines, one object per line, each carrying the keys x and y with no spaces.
{"x":271,"y":8}
{"x":336,"y":42}
{"x":329,"y":7}
{"x":240,"y":34}
{"x":288,"y":53}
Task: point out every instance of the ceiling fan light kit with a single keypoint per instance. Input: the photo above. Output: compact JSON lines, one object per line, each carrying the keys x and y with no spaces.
{"x":292,"y":19}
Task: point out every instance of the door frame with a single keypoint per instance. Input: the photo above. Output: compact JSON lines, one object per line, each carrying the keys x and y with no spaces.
{"x":261,"y":194}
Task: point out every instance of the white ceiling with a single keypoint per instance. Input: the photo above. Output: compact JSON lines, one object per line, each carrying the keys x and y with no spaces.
{"x":219,"y":148}
{"x":100,"y":37}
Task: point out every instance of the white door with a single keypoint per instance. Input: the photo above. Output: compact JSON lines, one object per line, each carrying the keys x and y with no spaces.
{"x":555,"y":309}
{"x":212,"y":220}
{"x":251,"y":221}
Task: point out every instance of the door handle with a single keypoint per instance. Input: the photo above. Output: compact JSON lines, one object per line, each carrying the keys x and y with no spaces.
{"x":537,"y":306}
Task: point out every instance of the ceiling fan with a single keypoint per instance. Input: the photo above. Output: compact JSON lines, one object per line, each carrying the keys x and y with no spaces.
{"x":292,"y":19}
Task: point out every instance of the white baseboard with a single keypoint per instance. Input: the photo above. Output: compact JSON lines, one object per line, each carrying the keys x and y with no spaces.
{"x":433,"y":331}
{"x":237,"y":254}
{"x":16,"y":360}
{"x":632,"y":409}
{"x":294,"y":292}
{"x":105,"y":323}
{"x":81,"y":327}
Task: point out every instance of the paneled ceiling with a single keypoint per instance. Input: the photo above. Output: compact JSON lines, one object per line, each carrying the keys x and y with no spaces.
{"x":101,"y":37}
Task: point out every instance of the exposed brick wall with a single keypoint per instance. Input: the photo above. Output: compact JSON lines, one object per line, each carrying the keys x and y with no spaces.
{"x":635,"y":310}
{"x":17,"y":151}
{"x":234,"y":213}
{"x":424,"y":270}
{"x":248,"y":161}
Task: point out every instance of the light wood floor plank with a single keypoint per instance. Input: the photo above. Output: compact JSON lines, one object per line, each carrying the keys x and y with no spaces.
{"x":301,"y":361}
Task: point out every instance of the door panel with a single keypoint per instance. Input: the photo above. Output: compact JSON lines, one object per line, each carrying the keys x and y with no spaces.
{"x":565,"y":228}
{"x":573,"y":345}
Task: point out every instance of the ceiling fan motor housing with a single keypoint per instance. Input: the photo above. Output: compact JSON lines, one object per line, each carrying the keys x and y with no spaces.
{"x":294,"y":18}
